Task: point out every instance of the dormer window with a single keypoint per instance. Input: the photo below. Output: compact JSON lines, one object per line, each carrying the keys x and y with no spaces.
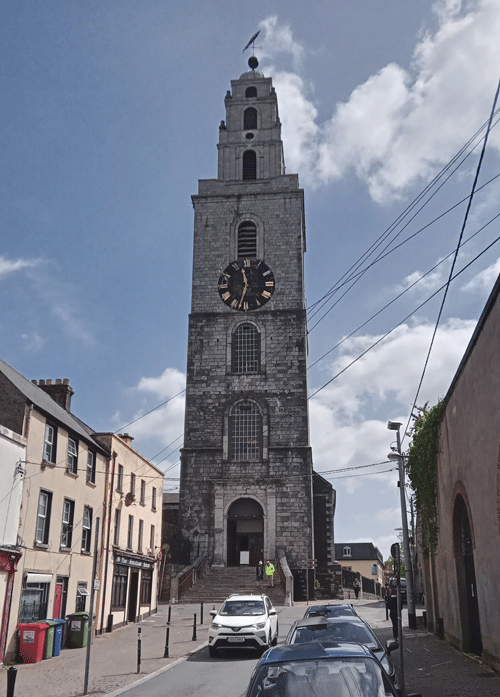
{"x":250,"y":119}
{"x":251,"y":92}
{"x":346,"y":552}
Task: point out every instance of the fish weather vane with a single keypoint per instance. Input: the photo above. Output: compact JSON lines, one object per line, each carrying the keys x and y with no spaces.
{"x":252,"y":61}
{"x":252,"y":40}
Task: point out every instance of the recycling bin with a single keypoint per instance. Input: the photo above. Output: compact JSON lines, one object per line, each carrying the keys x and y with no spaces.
{"x":58,"y":634}
{"x":78,"y":629}
{"x":31,"y":641}
{"x":48,"y":646}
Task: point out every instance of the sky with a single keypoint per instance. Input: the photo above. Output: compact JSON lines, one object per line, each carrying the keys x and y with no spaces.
{"x":110,"y":115}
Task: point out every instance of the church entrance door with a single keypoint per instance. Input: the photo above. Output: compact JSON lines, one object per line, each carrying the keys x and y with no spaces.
{"x":245,"y":533}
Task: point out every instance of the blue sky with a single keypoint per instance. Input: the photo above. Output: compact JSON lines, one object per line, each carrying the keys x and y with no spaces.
{"x":110,"y":116}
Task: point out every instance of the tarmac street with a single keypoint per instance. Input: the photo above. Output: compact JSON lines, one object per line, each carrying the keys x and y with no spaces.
{"x":432,"y":667}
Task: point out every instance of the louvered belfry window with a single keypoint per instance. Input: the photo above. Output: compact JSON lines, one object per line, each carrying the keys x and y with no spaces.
{"x":249,"y":165}
{"x":246,"y":432}
{"x":246,"y":349}
{"x":250,"y":119}
{"x":247,"y":240}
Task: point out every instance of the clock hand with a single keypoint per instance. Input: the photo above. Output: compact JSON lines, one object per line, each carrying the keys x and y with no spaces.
{"x":245,"y":286}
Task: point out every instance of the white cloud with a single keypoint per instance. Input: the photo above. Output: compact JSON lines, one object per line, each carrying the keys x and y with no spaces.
{"x":278,"y":39}
{"x":33,"y":342}
{"x":484,"y":281}
{"x":402,"y":124}
{"x":8,"y":266}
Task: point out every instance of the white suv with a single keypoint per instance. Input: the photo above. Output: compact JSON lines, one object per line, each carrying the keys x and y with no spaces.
{"x":243,"y":621}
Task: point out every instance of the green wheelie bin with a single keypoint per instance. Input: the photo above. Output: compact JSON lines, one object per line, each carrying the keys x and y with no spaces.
{"x":78,"y":629}
{"x":48,"y":648}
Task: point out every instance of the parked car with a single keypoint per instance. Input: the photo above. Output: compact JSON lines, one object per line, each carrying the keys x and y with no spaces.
{"x":393,"y":583}
{"x":243,"y":621}
{"x":318,"y":670}
{"x":330,"y":611}
{"x":342,"y":629}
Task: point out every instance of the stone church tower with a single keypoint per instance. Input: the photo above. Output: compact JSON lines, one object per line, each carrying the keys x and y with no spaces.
{"x":246,"y":468}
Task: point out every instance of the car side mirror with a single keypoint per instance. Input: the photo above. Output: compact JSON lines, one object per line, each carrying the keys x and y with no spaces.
{"x":392,"y":645}
{"x":272,"y":612}
{"x":213,"y":613}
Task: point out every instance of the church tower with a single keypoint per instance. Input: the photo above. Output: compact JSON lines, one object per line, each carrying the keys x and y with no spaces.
{"x":246,"y":466}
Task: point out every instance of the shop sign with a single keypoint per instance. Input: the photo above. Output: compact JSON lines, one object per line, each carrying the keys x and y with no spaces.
{"x":136,"y":563}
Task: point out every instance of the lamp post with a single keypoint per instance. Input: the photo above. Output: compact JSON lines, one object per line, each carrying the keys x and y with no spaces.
{"x":398,"y":456}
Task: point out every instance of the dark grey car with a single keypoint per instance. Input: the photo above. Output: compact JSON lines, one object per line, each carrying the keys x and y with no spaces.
{"x":342,"y":629}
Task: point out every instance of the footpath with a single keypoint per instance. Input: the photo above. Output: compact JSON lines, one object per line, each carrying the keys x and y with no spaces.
{"x":432,"y":667}
{"x":113,"y":657}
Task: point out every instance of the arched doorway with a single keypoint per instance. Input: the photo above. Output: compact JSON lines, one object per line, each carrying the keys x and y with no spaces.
{"x":245,"y":532}
{"x":466,"y":578}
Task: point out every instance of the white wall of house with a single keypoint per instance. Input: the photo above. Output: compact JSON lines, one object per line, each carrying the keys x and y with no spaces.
{"x":12,"y":465}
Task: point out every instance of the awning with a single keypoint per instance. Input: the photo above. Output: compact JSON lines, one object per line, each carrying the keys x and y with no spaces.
{"x":38,"y":578}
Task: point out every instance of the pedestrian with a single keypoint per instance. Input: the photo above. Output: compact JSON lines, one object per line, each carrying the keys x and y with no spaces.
{"x":391,"y":600}
{"x":259,"y":572}
{"x":357,"y":587}
{"x":269,"y":574}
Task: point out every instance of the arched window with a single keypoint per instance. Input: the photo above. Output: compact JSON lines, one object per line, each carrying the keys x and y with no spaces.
{"x":247,"y":240}
{"x":249,"y":164}
{"x":246,"y":432}
{"x":250,"y":119}
{"x":346,"y":552}
{"x":246,"y":349}
{"x":251,"y":92}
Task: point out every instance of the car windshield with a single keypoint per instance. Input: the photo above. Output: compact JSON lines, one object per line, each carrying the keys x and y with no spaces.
{"x":346,"y":677}
{"x":233,"y":608}
{"x":338,"y":631}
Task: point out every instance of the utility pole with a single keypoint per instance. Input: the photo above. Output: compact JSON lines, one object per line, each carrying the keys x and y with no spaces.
{"x":91,"y":609}
{"x":412,"y":618}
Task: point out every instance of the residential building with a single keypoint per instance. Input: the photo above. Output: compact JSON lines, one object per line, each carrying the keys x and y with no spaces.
{"x":362,"y":558}
{"x":131,"y":535}
{"x":62,"y":500}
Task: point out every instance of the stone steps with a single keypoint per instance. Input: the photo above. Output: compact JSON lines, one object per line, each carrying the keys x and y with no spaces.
{"x":220,"y":582}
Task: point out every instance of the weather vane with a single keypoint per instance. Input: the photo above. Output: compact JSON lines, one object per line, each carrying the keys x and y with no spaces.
{"x":252,"y":61}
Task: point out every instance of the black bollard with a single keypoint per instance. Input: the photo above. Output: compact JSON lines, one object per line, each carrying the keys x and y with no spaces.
{"x":139,"y":650}
{"x":11,"y":680}
{"x":165,"y":653}
{"x":194,"y":628}
{"x":201,"y":614}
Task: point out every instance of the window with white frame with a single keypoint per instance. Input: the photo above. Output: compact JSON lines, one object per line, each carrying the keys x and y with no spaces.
{"x":91,"y":467}
{"x":143,"y":492}
{"x":130,"y":532}
{"x":140,"y":536}
{"x":119,"y":482}
{"x":50,"y":442}
{"x":116,"y":536}
{"x":43,"y":517}
{"x":72,"y":456}
{"x":67,"y":523}
{"x":87,"y":529}
{"x":346,"y":552}
{"x":132,"y":484}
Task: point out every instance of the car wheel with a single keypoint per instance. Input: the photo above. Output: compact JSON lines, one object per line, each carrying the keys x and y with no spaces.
{"x":213,"y":652}
{"x":275,"y":640}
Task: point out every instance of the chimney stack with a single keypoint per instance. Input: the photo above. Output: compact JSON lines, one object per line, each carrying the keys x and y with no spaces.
{"x":61,"y":392}
{"x":125,"y":436}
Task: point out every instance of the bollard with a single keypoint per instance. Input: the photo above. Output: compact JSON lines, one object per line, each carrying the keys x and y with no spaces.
{"x":165,"y":654}
{"x":201,"y":614}
{"x":11,"y":680}
{"x":194,"y":628}
{"x":139,"y":650}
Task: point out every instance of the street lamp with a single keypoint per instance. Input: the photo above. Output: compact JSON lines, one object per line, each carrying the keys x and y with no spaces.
{"x":398,"y":456}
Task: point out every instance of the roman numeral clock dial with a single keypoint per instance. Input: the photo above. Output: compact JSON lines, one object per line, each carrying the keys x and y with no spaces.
{"x":246,"y":284}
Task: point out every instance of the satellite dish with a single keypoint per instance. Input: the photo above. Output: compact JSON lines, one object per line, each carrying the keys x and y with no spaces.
{"x":129,"y":498}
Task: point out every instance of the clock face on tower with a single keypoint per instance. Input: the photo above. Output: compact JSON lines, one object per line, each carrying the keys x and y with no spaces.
{"x":246,"y":284}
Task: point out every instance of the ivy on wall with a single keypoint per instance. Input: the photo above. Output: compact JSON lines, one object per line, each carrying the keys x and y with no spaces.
{"x":421,"y":467}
